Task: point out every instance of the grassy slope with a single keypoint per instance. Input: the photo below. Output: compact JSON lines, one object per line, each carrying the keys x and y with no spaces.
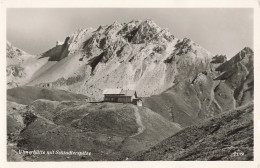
{"x":215,"y":139}
{"x":111,"y":131}
{"x":28,"y":94}
{"x":173,"y":107}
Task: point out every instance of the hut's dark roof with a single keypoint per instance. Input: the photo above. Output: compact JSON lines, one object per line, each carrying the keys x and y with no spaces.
{"x":119,"y":92}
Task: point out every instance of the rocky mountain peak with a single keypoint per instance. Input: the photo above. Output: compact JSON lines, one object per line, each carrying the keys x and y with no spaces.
{"x":116,"y":24}
{"x":150,"y":22}
{"x":244,"y":55}
{"x":219,"y":59}
{"x":146,"y":31}
{"x":15,"y":53}
{"x":184,"y":46}
{"x":129,"y":27}
{"x":245,"y":52}
{"x":238,"y":68}
{"x":16,"y":72}
{"x":12,"y":51}
{"x":248,"y":50}
{"x":113,"y":28}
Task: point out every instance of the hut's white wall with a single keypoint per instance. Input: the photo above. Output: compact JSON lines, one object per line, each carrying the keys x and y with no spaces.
{"x":139,"y":103}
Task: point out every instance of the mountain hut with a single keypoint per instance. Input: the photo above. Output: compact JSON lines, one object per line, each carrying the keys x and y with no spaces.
{"x":121,"y":96}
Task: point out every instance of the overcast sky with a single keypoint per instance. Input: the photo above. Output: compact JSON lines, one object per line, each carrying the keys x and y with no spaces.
{"x":221,"y":31}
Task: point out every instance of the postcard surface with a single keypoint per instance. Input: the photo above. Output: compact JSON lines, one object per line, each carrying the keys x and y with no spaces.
{"x":126,"y":84}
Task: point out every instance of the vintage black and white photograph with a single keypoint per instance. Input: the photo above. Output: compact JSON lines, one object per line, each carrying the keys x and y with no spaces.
{"x":129,"y":84}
